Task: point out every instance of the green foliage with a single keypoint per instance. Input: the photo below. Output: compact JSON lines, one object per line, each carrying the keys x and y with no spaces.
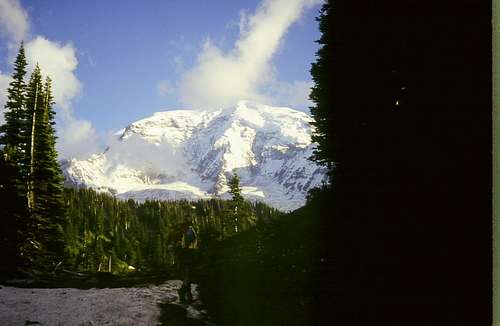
{"x":239,"y":215}
{"x":234,"y":189}
{"x":107,"y":234}
{"x":12,"y":163}
{"x":263,"y":276}
{"x":321,"y":93}
{"x":45,"y":190}
{"x":14,"y":135}
{"x":35,"y":214}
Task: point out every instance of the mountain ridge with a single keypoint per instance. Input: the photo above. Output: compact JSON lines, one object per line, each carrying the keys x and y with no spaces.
{"x":188,"y":154}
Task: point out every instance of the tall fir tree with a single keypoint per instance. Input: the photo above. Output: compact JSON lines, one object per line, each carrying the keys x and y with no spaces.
{"x":13,"y":138}
{"x":235,"y":190}
{"x":30,"y":246}
{"x":321,"y":93}
{"x":35,"y":106}
{"x":47,"y":178}
{"x":43,"y":242}
{"x":13,"y":181}
{"x":239,"y":213}
{"x":400,"y":112}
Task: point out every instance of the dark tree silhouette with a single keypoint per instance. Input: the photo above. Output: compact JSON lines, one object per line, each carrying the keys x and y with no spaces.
{"x":403,"y":109}
{"x":13,"y":140}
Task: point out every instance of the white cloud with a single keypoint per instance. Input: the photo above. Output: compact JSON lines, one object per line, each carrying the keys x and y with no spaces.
{"x":219,"y":79}
{"x":243,"y":21}
{"x":14,"y":23}
{"x":140,"y":154}
{"x":164,"y":87}
{"x":76,"y":137}
{"x":178,"y":64}
{"x":59,"y":62}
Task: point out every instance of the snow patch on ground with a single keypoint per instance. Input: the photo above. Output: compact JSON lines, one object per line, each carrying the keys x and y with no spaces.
{"x":69,"y":306}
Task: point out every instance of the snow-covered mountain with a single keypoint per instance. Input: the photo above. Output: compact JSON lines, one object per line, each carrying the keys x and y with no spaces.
{"x":191,"y":154}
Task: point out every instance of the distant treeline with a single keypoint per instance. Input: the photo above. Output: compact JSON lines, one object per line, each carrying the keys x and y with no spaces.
{"x":104,"y":233}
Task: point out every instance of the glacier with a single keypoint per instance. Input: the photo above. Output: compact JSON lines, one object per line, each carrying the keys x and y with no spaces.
{"x":190,"y":154}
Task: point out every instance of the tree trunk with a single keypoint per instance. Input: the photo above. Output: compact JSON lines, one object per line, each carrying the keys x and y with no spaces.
{"x":31,"y":197}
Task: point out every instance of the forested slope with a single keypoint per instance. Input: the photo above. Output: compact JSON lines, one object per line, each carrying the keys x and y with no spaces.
{"x":107,"y":234}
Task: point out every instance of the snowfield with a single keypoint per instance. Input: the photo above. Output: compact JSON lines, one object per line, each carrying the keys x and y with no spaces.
{"x":69,"y":306}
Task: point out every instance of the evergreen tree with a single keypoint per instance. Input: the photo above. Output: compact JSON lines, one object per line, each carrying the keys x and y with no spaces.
{"x":239,"y":213}
{"x":14,"y":134}
{"x":321,"y":93}
{"x":236,"y":202}
{"x":400,"y":111}
{"x":13,"y":139}
{"x":141,"y":235}
{"x":30,"y":246}
{"x":235,"y":190}
{"x":43,"y":245}
{"x":35,"y":107}
{"x":48,"y":178}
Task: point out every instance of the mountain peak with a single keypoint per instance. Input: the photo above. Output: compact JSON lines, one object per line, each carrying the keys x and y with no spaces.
{"x":190,"y":154}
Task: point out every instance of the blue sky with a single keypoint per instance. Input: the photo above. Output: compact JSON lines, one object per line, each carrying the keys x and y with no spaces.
{"x":128,"y":59}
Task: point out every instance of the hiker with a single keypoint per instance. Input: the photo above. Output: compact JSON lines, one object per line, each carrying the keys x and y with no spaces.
{"x":186,"y":260}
